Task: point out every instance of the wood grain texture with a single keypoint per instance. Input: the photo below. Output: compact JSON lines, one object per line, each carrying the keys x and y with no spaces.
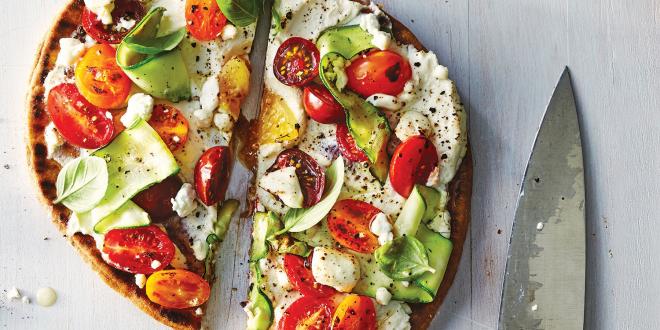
{"x":505,"y":56}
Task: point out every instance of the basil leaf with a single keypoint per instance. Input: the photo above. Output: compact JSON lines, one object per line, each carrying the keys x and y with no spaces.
{"x":154,"y":45}
{"x":403,"y":259}
{"x":240,"y":12}
{"x":277,"y":18}
{"x":297,"y":220}
{"x":82,"y":183}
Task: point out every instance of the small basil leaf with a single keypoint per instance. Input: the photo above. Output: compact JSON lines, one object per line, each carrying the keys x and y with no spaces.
{"x":240,"y":12}
{"x":403,"y":259}
{"x":155,"y":45}
{"x":277,"y":18}
{"x":82,"y":183}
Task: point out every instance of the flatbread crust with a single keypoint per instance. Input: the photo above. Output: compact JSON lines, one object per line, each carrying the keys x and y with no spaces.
{"x":45,"y":173}
{"x":460,"y":194}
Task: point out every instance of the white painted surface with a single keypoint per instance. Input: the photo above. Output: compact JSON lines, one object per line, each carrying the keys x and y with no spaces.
{"x":506,"y":56}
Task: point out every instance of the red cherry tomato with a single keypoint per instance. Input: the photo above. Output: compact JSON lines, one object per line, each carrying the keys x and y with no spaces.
{"x":307,"y":313}
{"x":177,"y":288}
{"x":321,"y":106}
{"x":380,"y":71}
{"x":134,"y":250}
{"x":204,"y":19}
{"x":156,"y":200}
{"x":171,"y":125}
{"x":412,"y":163}
{"x":347,"y":145}
{"x":212,"y":175}
{"x":310,"y":175}
{"x":80,"y":123}
{"x":128,"y":10}
{"x":348,"y":223}
{"x":296,"y":62}
{"x":355,"y":312}
{"x":299,"y":272}
{"x":100,"y":80}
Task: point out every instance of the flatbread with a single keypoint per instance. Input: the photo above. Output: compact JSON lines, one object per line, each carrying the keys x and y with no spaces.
{"x":45,"y":174}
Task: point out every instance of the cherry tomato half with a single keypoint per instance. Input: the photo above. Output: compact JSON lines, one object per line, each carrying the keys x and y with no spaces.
{"x":321,"y":106}
{"x":348,"y":223}
{"x":156,"y":200}
{"x":126,"y":10}
{"x":310,"y":175}
{"x":380,"y":71}
{"x":100,"y":80}
{"x":299,"y":272}
{"x":347,"y":145}
{"x":307,"y":313}
{"x":177,"y":288}
{"x":134,"y":250}
{"x":355,"y":312}
{"x":80,"y":123}
{"x":412,"y":163}
{"x":170,"y":124}
{"x":212,"y":175}
{"x":296,"y":62}
{"x":204,"y":19}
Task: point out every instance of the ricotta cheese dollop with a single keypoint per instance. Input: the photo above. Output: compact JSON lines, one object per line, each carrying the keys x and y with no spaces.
{"x":284,"y":184}
{"x":102,"y":8}
{"x":140,"y":105}
{"x":413,"y":123}
{"x":335,"y":268}
{"x":184,"y":202}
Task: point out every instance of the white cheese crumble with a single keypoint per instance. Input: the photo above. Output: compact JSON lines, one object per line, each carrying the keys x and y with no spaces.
{"x":140,"y":280}
{"x":155,"y":264}
{"x":413,"y":123}
{"x":140,"y":105}
{"x":335,"y":268}
{"x":53,"y":139}
{"x":102,"y":8}
{"x":199,"y":311}
{"x":70,"y":51}
{"x":380,"y":39}
{"x":124,"y":24}
{"x":434,"y":177}
{"x":284,"y":184}
{"x":393,"y":316}
{"x":228,"y":32}
{"x":208,"y":99}
{"x":224,"y":122}
{"x":539,"y":226}
{"x":25,"y":300}
{"x":383,"y":296}
{"x":382,"y":228}
{"x":384,"y":101}
{"x":184,"y":202}
{"x":13,"y":293}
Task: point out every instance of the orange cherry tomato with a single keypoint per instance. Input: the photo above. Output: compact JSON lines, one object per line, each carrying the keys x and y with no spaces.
{"x":355,"y":312}
{"x":307,"y":313}
{"x":100,"y":80}
{"x":170,"y":124}
{"x":80,"y":123}
{"x":212,"y":175}
{"x":349,"y":221}
{"x":204,"y":19}
{"x":379,"y":71}
{"x":177,"y":288}
{"x":412,"y":163}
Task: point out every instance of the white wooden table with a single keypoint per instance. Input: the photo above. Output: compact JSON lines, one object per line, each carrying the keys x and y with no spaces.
{"x":506,"y":56}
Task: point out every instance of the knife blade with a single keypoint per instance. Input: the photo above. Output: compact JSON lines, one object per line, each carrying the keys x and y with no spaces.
{"x":545,"y":271}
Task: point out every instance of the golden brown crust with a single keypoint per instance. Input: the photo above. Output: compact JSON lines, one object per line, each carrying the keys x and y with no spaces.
{"x":45,"y":173}
{"x":460,"y":192}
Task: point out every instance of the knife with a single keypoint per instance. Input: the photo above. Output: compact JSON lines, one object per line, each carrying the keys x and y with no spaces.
{"x":545,"y":270}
